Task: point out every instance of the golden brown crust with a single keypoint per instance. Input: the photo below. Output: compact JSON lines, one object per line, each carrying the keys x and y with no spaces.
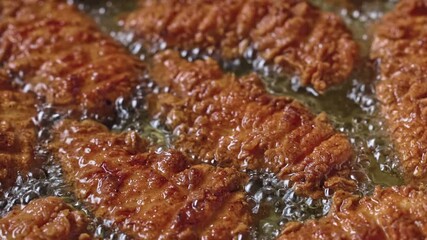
{"x":292,"y":33}
{"x":400,"y":47}
{"x":17,"y":133}
{"x":390,"y":213}
{"x":150,"y":195}
{"x":64,"y":56}
{"x":46,"y":218}
{"x":235,"y":122}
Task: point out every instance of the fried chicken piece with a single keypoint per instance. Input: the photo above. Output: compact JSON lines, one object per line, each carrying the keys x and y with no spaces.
{"x":46,"y":218}
{"x":390,"y":213}
{"x":17,"y":133}
{"x":233,"y":121}
{"x":291,"y":34}
{"x":64,"y":57}
{"x":150,"y":195}
{"x":401,"y":50}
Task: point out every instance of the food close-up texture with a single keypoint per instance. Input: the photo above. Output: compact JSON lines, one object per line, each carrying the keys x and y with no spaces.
{"x":45,"y":218}
{"x":291,"y":34}
{"x":148,"y":194}
{"x":390,"y":213}
{"x":228,"y":119}
{"x":17,"y":133}
{"x":64,"y":57}
{"x":401,"y":52}
{"x":241,"y":125}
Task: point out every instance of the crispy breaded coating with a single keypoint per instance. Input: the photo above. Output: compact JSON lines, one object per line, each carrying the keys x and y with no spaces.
{"x":218,"y":117}
{"x":400,"y":48}
{"x":45,"y":218}
{"x":390,"y":213}
{"x":64,"y":57}
{"x":291,"y":33}
{"x":150,"y":195}
{"x":17,"y":133}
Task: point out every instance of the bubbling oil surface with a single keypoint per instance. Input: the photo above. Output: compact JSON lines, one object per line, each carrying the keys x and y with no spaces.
{"x":351,"y":107}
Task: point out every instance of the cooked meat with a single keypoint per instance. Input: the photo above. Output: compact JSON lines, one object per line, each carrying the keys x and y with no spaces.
{"x":390,"y":213}
{"x":17,"y":133}
{"x":150,"y":195}
{"x":291,"y":34}
{"x":64,"y":57}
{"x":46,"y":218}
{"x":401,"y":50}
{"x":233,"y":121}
